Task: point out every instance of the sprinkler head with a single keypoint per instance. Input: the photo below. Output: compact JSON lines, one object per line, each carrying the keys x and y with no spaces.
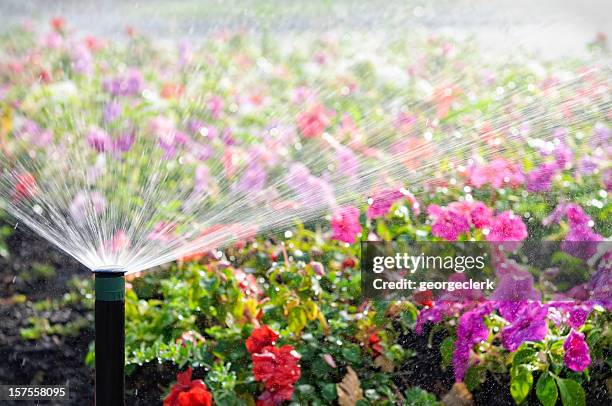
{"x":110,"y":336}
{"x":110,"y":284}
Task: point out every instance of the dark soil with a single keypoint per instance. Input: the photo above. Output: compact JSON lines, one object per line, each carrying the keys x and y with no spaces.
{"x":54,"y":360}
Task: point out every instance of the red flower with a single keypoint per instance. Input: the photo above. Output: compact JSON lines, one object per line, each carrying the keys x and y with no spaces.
{"x":424,"y":298}
{"x":313,"y":123}
{"x":260,"y":338}
{"x":186,"y":392}
{"x":374,"y":342}
{"x":25,"y":186}
{"x":58,"y":23}
{"x":277,"y":368}
{"x":348,"y":263}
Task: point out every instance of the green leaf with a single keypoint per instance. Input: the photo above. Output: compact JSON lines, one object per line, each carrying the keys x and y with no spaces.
{"x":446,"y":351}
{"x":524,"y":356}
{"x":328,"y":391}
{"x":572,"y":393}
{"x":521,"y":381}
{"x":416,"y":396}
{"x":297,"y":319}
{"x":546,"y":390}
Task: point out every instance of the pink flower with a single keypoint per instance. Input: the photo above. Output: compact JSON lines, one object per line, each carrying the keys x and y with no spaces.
{"x":312,"y":123}
{"x":383,"y":200}
{"x":348,"y":164}
{"x":163,"y":232}
{"x":215,"y":106}
{"x":447,"y":224}
{"x":497,"y":173}
{"x":119,"y":241}
{"x":577,"y":357}
{"x":476,"y":212}
{"x":345,"y":224}
{"x":509,"y":229}
{"x":87,"y":203}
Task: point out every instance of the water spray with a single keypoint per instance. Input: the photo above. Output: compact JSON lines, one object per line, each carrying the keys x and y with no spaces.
{"x":110,"y":336}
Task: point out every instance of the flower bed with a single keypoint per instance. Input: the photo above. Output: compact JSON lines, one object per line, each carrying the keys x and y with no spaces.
{"x":279,"y":317}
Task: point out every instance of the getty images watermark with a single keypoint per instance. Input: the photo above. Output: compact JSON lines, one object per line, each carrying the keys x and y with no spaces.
{"x":399,"y":270}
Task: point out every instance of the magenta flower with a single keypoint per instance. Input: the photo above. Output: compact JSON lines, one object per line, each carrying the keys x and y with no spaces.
{"x":163,"y":232}
{"x":530,"y":325}
{"x":447,"y":224}
{"x":99,"y":140}
{"x":311,"y":191}
{"x":124,"y":142}
{"x":515,"y":285}
{"x":118,"y":242}
{"x":563,"y":156}
{"x":570,"y":313}
{"x":607,"y":179}
{"x":441,"y":309}
{"x":31,"y":132}
{"x":382,"y":202}
{"x":471,"y":330}
{"x":345,"y":224}
{"x":576,"y":216}
{"x":581,"y":242}
{"x":577,"y":357}
{"x":82,"y":62}
{"x":601,"y":282}
{"x":404,"y":122}
{"x":540,"y":179}
{"x":508,"y":229}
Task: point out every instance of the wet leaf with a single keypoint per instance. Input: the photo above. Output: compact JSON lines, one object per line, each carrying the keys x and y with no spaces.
{"x":297,"y":319}
{"x":546,"y":390}
{"x":521,"y":381}
{"x":572,"y":393}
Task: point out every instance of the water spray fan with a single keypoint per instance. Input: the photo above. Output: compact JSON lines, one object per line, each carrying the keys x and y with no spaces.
{"x":110,"y":336}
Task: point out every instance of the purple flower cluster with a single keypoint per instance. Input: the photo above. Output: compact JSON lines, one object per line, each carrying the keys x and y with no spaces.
{"x":471,"y":330}
{"x":530,"y":324}
{"x":129,"y":84}
{"x":580,"y":241}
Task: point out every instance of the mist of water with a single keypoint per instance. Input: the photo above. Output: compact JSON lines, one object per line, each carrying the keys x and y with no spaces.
{"x":153,"y":151}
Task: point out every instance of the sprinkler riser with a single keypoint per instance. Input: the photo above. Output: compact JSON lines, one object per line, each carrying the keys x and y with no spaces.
{"x":110,"y":337}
